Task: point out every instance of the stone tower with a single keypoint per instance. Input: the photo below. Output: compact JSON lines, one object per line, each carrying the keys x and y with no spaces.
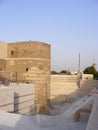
{"x":30,"y":60}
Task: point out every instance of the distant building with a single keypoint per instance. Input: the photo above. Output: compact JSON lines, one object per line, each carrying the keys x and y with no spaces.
{"x":76,"y":73}
{"x":94,"y":65}
{"x":87,"y":76}
{"x":28,"y":61}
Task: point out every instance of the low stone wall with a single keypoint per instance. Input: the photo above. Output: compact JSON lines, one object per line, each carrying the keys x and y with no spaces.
{"x":17,"y":98}
{"x":87,"y":77}
{"x":6,"y":99}
{"x":93,"y":120}
{"x":86,"y":86}
{"x":66,"y":87}
{"x":63,"y":88}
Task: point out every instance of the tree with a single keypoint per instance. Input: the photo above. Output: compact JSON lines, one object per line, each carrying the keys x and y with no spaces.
{"x":91,"y":70}
{"x":53,"y":72}
{"x":63,"y":72}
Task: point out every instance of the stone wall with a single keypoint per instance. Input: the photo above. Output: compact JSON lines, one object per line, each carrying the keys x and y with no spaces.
{"x":38,"y":73}
{"x":86,"y":86}
{"x":6,"y":99}
{"x":31,"y":61}
{"x":28,"y":62}
{"x":2,"y":65}
{"x":17,"y":98}
{"x":63,"y":88}
{"x":87,"y":77}
{"x":3,"y":50}
{"x":24,"y":99}
{"x":30,"y":49}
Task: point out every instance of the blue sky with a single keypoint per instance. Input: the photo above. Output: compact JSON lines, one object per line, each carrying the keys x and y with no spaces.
{"x":69,"y":26}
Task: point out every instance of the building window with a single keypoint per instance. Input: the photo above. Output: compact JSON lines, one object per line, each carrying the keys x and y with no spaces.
{"x":27,"y":69}
{"x":12,"y":53}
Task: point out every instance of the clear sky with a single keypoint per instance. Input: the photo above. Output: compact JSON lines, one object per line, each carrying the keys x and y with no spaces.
{"x":69,"y":26}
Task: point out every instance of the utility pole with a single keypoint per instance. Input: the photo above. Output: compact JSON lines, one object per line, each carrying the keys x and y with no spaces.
{"x":78,"y":80}
{"x":79,"y":64}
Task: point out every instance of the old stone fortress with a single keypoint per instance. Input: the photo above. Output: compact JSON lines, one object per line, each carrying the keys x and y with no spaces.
{"x":27,"y":62}
{"x":26,"y":86}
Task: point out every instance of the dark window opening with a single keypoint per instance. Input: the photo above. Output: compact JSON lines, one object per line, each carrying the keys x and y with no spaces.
{"x":27,"y":69}
{"x":12,"y":52}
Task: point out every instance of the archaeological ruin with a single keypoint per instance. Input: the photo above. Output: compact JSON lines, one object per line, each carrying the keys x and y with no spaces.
{"x":29,"y":94}
{"x":28,"y":62}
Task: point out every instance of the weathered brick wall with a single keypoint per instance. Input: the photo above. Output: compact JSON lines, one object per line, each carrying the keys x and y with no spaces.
{"x":31,"y":61}
{"x":3,"y":50}
{"x":28,"y":50}
{"x":40,"y":77}
{"x":38,"y":73}
{"x":2,"y":65}
{"x":63,"y":87}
